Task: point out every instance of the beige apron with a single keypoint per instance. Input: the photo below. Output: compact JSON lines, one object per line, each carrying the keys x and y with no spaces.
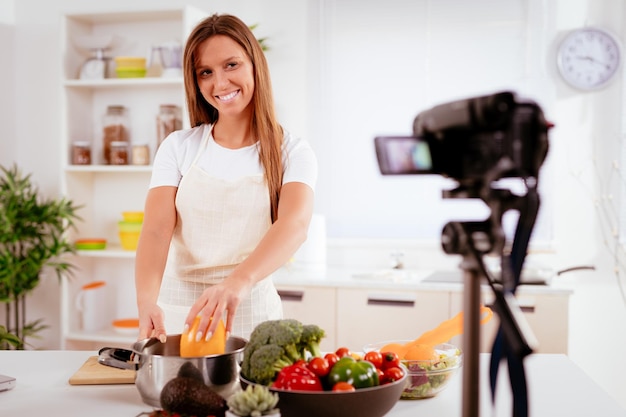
{"x":219,"y":224}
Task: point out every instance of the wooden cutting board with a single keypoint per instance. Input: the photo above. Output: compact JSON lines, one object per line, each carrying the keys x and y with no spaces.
{"x":94,"y":373}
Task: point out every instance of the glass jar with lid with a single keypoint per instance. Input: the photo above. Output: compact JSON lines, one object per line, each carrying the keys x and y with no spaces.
{"x":119,"y":153}
{"x":168,"y":120}
{"x":81,"y":153}
{"x":141,"y":154}
{"x":114,"y":129}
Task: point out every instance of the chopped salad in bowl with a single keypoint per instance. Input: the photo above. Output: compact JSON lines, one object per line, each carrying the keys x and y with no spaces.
{"x":429,"y":375}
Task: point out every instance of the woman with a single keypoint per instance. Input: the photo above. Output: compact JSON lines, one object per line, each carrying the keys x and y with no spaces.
{"x":230,"y":199}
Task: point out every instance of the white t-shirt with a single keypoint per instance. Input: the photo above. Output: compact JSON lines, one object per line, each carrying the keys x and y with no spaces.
{"x":177,"y":152}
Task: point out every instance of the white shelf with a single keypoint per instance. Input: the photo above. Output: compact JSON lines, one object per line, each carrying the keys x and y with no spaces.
{"x":107,"y":336}
{"x":123,"y":82}
{"x":103,"y":192}
{"x":114,"y":251}
{"x":109,"y":168}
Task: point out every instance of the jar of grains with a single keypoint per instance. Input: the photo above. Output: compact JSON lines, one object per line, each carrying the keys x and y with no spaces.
{"x":81,"y":153}
{"x":168,"y":120}
{"x":141,"y":154}
{"x":115,"y":129}
{"x":119,"y":153}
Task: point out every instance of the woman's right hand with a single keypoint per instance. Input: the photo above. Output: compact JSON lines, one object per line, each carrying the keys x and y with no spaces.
{"x":151,"y":323}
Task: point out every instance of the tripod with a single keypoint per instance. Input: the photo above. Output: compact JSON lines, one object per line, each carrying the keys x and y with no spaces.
{"x":473,"y":240}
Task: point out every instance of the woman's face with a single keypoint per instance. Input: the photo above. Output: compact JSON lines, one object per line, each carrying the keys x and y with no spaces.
{"x":225,"y":76}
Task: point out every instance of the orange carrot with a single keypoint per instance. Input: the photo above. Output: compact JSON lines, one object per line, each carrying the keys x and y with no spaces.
{"x":422,"y":347}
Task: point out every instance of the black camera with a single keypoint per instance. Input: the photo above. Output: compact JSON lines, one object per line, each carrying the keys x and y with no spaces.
{"x":466,"y":139}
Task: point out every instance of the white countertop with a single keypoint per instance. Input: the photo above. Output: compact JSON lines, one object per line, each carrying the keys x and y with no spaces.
{"x":403,"y":279}
{"x":557,"y":387}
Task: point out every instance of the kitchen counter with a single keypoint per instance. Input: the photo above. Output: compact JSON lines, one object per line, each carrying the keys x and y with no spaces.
{"x":402,"y":279}
{"x":421,"y":297}
{"x":556,"y":387}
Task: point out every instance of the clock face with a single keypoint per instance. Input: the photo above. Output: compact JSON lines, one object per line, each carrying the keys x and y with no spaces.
{"x":588,"y":58}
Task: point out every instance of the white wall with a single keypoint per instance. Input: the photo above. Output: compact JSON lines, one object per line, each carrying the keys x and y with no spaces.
{"x":339,"y":81}
{"x":7,"y":82}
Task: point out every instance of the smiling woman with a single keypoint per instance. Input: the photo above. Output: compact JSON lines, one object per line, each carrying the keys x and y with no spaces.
{"x":230,"y":198}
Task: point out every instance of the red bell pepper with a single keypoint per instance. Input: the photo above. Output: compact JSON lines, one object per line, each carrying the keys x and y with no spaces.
{"x":297,"y":377}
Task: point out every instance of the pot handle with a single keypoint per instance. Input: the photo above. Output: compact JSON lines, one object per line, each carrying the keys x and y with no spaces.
{"x":118,"y":358}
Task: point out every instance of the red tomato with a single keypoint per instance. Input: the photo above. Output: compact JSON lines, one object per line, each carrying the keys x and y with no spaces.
{"x":375,"y":357}
{"x":343,"y":351}
{"x":343,"y":386}
{"x":331,"y":358}
{"x":390,"y":360}
{"x":393,"y":373}
{"x":319,"y":366}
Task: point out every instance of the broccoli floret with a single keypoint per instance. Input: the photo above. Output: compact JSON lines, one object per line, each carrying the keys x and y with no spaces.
{"x":267,"y":361}
{"x":260,"y":336}
{"x":287,"y":334}
{"x":275,"y":344}
{"x":312,"y":336}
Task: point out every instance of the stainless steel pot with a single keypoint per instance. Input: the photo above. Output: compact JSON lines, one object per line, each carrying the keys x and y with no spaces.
{"x":157,"y":363}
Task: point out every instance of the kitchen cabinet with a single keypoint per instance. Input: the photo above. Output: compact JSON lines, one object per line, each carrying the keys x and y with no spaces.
{"x":374,"y":310}
{"x":105,"y":191}
{"x":367,"y":315}
{"x":547,"y":315}
{"x":312,"y":305}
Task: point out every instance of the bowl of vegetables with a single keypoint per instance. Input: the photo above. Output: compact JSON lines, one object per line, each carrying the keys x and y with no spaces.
{"x":429,"y":368}
{"x":375,"y":401}
{"x":284,"y":356}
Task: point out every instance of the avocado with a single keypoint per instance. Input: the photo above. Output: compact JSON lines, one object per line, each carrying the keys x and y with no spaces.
{"x":188,"y":396}
{"x":190,"y":370}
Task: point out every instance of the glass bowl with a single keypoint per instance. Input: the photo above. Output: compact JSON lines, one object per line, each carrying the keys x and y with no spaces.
{"x":427,"y":378}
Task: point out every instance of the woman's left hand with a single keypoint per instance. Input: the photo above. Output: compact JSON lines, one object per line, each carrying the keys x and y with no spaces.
{"x":215,"y":302}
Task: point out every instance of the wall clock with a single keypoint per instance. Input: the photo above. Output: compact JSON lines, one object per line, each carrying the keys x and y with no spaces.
{"x":588,"y":58}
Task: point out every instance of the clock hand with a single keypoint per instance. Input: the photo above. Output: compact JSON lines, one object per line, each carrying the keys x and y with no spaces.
{"x":592,"y":60}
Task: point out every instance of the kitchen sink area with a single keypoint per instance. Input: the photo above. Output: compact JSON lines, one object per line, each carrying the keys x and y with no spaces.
{"x":392,"y":275}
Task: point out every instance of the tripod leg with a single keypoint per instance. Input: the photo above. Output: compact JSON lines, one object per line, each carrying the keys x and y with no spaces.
{"x":471,"y":344}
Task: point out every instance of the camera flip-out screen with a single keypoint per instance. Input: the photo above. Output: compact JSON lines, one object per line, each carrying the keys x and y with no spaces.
{"x":403,"y":155}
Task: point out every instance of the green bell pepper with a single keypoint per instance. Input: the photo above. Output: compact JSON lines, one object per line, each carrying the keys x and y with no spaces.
{"x":359,"y":373}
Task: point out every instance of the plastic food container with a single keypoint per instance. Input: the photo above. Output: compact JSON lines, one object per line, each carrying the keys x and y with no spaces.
{"x":129,"y":240}
{"x":132,"y":216}
{"x":90,"y":244}
{"x":130,"y":62}
{"x":126,"y":326}
{"x":130,"y":66}
{"x":129,"y":234}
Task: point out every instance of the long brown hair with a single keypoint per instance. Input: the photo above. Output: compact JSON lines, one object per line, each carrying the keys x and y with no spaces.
{"x":264,"y":124}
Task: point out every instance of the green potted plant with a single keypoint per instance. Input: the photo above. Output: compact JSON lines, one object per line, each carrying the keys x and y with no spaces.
{"x":254,"y":401}
{"x":32,"y":238}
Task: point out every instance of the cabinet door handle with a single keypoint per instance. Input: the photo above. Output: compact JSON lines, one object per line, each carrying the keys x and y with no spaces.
{"x":524,"y":309}
{"x":287,"y":295}
{"x":383,"y":300}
